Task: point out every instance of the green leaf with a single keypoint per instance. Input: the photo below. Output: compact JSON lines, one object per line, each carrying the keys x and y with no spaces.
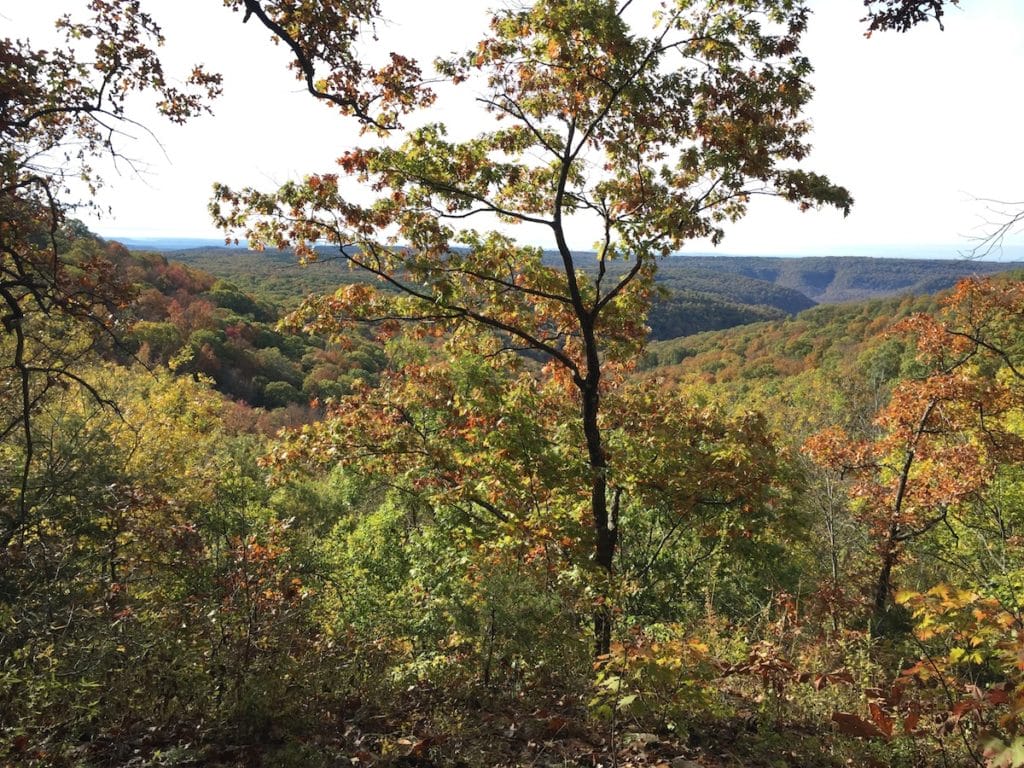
{"x":625,"y":701}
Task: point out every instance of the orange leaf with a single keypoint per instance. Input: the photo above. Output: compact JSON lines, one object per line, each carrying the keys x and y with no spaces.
{"x":961,"y":708}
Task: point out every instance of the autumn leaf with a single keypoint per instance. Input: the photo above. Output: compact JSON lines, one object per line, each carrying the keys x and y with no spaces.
{"x":852,"y":725}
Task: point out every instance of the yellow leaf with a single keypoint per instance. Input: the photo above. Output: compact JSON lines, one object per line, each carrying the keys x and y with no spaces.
{"x":904,"y":596}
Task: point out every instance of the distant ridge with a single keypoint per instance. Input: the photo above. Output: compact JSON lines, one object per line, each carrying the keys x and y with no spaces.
{"x":699,"y":292}
{"x":833,"y":279}
{"x":948,"y":252}
{"x":174,"y":243}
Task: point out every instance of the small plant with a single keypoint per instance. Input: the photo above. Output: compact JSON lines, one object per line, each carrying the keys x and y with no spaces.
{"x":660,"y":681}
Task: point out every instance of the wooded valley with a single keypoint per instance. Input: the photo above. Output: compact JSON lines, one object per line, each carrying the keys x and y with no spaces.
{"x":391,"y":491}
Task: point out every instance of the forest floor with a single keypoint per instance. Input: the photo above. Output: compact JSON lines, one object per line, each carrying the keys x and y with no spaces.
{"x":433,"y":732}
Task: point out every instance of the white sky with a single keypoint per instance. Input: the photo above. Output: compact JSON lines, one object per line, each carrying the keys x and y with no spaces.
{"x":915,"y":125}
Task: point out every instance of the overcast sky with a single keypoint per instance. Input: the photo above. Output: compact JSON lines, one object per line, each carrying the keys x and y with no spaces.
{"x":917,"y":126}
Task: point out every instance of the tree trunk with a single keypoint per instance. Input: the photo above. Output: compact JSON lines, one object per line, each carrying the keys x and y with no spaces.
{"x":606,"y":533}
{"x":884,"y":585}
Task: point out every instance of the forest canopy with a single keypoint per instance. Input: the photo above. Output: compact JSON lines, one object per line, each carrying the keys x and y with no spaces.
{"x":437,"y":514}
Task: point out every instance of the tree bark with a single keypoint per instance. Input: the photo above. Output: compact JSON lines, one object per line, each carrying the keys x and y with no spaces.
{"x":884,"y":585}
{"x":606,"y":533}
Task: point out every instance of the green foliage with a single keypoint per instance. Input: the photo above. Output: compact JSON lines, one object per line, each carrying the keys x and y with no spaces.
{"x":438,"y":547}
{"x":182,"y":597}
{"x":435,"y":542}
{"x":834,"y":279}
{"x":685,"y":312}
{"x":226,"y":295}
{"x":277,"y":394}
{"x":161,"y":340}
{"x":661,"y":678}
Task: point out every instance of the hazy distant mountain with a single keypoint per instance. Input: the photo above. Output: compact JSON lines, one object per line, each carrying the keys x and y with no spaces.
{"x":172,"y":243}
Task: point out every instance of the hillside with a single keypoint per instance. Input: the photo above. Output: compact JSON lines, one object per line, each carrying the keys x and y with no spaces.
{"x":239,"y":554}
{"x":270,"y":273}
{"x":699,"y":293}
{"x":791,"y":345}
{"x":695,"y":299}
{"x":833,"y":364}
{"x":457,"y":494}
{"x":832,"y":279}
{"x":186,"y":318}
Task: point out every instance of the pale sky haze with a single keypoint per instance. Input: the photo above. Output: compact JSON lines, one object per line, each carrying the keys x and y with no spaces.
{"x":915,"y":125}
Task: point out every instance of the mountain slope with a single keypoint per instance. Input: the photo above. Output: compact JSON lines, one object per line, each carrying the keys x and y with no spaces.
{"x":698,"y":293}
{"x":832,"y":279}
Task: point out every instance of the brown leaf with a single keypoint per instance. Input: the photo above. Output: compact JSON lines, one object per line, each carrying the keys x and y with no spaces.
{"x":997,"y":696}
{"x":852,"y":725}
{"x":961,"y":708}
{"x":911,"y":720}
{"x":841,"y":676}
{"x":895,"y":695}
{"x":882,"y":720}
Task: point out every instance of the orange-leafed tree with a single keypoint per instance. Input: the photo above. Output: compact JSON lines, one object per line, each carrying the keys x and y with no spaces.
{"x":482,"y":454}
{"x":944,"y":434}
{"x":639,"y":136}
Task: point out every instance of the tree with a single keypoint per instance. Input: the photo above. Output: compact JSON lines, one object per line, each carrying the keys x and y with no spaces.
{"x":902,"y":15}
{"x":480,"y":457}
{"x":322,"y":37}
{"x":61,"y":109}
{"x":1003,"y":218}
{"x":944,"y":435}
{"x":63,"y":112}
{"x":651,"y":136}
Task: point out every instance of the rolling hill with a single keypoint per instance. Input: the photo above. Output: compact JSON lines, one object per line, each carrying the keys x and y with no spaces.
{"x":833,"y":279}
{"x":698,"y":293}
